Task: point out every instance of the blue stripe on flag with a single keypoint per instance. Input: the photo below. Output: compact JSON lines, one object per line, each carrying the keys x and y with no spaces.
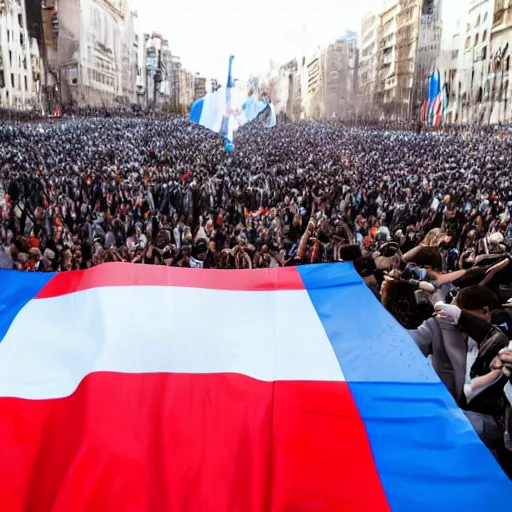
{"x":427,"y":454}
{"x":359,"y":326}
{"x":196,"y":110}
{"x":16,"y":289}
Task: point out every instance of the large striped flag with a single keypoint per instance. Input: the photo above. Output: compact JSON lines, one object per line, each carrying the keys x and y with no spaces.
{"x":145,"y":388}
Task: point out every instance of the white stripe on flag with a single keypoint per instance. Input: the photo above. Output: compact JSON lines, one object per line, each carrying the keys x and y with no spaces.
{"x":54,"y":343}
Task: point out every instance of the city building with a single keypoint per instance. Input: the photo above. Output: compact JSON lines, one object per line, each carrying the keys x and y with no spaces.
{"x":175,"y":82}
{"x":19,"y":58}
{"x":314,"y":104}
{"x":427,"y":53}
{"x":158,"y":70}
{"x":449,"y":62}
{"x":199,"y":87}
{"x":186,"y":89}
{"x":129,"y":58}
{"x":341,"y":63}
{"x":473,"y":95}
{"x":406,"y":27}
{"x":287,"y":100}
{"x":89,"y":51}
{"x":497,"y":87}
{"x":368,"y":72}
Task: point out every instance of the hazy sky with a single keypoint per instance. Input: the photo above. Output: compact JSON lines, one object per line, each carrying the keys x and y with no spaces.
{"x":205,"y":32}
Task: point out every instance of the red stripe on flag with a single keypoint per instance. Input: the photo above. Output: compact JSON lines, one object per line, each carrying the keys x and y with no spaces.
{"x":125,"y":274}
{"x":163,"y":442}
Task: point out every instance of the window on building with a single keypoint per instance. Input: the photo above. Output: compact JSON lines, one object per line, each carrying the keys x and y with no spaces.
{"x":478,"y":20}
{"x":12,"y":80}
{"x":8,"y":35}
{"x":10,"y":58}
{"x":468,"y":42}
{"x":26,"y":83}
{"x":477,"y":40}
{"x":484,"y":36}
{"x":485,"y":16}
{"x":20,"y":20}
{"x":507,"y":63}
{"x":484,"y":53}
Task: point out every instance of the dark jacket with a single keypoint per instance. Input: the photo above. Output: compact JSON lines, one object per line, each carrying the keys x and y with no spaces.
{"x":447,"y":345}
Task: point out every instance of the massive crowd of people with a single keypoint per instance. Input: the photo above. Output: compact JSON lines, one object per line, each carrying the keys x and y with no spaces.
{"x":425,"y":219}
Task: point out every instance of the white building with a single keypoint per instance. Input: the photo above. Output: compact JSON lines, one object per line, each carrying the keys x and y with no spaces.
{"x":91,"y":51}
{"x":368,"y":73}
{"x":129,"y":57}
{"x":341,"y":59}
{"x":474,"y":63}
{"x":18,"y":56}
{"x":497,"y":87}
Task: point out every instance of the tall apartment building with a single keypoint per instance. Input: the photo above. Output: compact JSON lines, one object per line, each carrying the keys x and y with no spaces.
{"x":341,"y":62}
{"x":158,"y":70}
{"x":368,"y":72}
{"x":314,"y":101}
{"x":427,"y":53}
{"x":175,"y":81}
{"x":387,"y":88}
{"x":498,"y":86}
{"x":186,"y":90}
{"x":287,"y":100}
{"x":129,"y":58}
{"x":90,"y":51}
{"x":199,"y":87}
{"x":19,"y":71}
{"x":473,"y":65}
{"x":410,"y":42}
{"x":449,"y":63}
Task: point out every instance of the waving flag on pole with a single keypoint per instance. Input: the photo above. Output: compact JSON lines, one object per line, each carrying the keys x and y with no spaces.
{"x":225,"y":110}
{"x":138,"y":387}
{"x":423,"y":113}
{"x":434,"y":91}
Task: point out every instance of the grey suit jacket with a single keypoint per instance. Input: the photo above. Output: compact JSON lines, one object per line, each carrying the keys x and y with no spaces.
{"x":448,"y":347}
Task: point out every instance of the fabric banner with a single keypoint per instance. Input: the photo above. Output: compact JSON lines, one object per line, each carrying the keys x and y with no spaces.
{"x":147,"y":388}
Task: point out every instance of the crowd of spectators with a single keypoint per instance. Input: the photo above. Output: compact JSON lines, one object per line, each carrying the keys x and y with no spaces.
{"x":424,"y":217}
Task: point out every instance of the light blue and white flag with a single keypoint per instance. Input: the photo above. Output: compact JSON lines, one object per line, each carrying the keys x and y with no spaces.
{"x":226,"y":109}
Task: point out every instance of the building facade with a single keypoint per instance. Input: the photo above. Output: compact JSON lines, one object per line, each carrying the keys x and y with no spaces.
{"x":369,"y":66}
{"x":186,"y":89}
{"x":473,"y":66}
{"x":341,"y":63}
{"x":90,"y":51}
{"x":288,"y":97}
{"x":497,"y":88}
{"x":19,"y":59}
{"x":478,"y":72}
{"x":428,"y":51}
{"x":199,"y":87}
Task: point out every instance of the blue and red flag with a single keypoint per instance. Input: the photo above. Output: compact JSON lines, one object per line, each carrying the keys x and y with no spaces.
{"x":134,"y":387}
